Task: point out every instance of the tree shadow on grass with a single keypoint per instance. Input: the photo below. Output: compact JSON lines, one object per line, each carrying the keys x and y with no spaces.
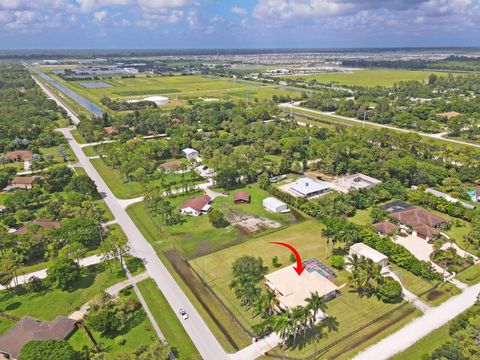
{"x":13,"y":306}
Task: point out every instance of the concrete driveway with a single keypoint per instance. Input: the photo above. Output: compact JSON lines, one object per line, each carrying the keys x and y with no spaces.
{"x":419,"y":247}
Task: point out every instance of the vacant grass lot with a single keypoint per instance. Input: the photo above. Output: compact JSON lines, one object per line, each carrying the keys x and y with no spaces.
{"x":5,"y":324}
{"x":173,"y":331}
{"x":367,"y":77}
{"x":49,"y":303}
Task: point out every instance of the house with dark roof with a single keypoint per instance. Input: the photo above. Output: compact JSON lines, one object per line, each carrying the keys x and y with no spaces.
{"x":28,"y":329}
{"x":241,"y":197}
{"x":197,"y":206}
{"x":46,"y":224}
{"x":422,"y":223}
{"x":385,"y":228}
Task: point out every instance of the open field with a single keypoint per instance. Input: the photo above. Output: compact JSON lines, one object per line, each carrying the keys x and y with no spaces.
{"x":173,"y":331}
{"x":177,"y":88}
{"x":367,"y":77}
{"x":197,"y":236}
{"x":47,"y":304}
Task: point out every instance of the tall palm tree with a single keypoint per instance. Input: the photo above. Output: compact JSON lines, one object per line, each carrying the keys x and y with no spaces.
{"x":328,"y":233}
{"x":315,"y":303}
{"x":282,"y":326}
{"x":297,"y":318}
{"x":268,"y":302}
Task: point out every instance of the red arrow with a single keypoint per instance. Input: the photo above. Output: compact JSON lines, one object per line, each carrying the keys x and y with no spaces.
{"x":299,"y":268}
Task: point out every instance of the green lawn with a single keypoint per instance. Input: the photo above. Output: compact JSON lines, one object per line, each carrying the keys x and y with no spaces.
{"x":351,"y":312}
{"x":361,"y":217}
{"x":216,"y":266}
{"x":4,"y":197}
{"x":90,"y":150}
{"x":124,"y":189}
{"x":5,"y":324}
{"x":367,"y":77}
{"x":53,"y":151}
{"x":78,"y":137}
{"x":413,"y":283}
{"x":47,"y":304}
{"x":168,"y":322}
{"x":470,"y":276}
{"x":442,"y":293}
{"x":196,"y":236}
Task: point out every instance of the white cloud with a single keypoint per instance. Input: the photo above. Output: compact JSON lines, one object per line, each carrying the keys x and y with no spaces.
{"x":99,"y":17}
{"x":239,"y":10}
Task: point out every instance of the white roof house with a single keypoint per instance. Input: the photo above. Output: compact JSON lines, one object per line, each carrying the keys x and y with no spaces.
{"x":309,"y":187}
{"x":292,"y":289}
{"x":190,"y":153}
{"x":367,"y":252}
{"x":357,"y":181}
{"x":449,"y":198}
{"x":274,"y":205}
{"x":158,"y":100}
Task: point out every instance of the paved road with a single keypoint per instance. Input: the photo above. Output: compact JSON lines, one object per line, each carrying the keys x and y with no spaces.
{"x":432,"y":319}
{"x":204,"y":340}
{"x":438,"y":136}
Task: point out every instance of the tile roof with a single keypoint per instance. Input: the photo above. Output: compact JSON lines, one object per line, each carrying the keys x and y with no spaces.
{"x":416,"y":216}
{"x":171,"y":164}
{"x":48,"y":224}
{"x":19,"y":154}
{"x":385,"y":227}
{"x":25,"y":180}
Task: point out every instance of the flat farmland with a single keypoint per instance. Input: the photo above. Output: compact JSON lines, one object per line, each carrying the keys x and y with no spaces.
{"x":368,"y":77}
{"x":181,"y":88}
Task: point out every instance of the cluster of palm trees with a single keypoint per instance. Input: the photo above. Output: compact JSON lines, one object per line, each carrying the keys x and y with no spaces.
{"x":298,"y":321}
{"x":260,"y":303}
{"x":340,"y":231}
{"x":366,"y":276}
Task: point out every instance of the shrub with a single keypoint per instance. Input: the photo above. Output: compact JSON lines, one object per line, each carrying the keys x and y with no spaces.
{"x":249,"y":266}
{"x":390,"y":290}
{"x":48,"y":349}
{"x":337,"y":261}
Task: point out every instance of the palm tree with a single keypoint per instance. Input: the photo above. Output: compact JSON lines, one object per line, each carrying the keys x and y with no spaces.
{"x":297,"y":317}
{"x":282,"y":326}
{"x":349,"y":234}
{"x":315,"y":303}
{"x":328,"y":233}
{"x":268,"y":302}
{"x":371,"y":276}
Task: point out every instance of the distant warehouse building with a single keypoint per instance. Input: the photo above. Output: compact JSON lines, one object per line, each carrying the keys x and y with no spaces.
{"x":190,"y":154}
{"x":275,"y":205}
{"x":158,"y":100}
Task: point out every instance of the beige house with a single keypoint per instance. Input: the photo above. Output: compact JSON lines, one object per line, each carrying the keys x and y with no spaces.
{"x":292,"y":289}
{"x":365,"y":251}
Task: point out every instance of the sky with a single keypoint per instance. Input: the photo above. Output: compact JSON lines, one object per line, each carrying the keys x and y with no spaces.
{"x":192,"y":24}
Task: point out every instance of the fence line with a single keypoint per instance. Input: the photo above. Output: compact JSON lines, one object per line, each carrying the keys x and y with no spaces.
{"x":87,"y":332}
{"x":232,"y":315}
{"x":9,"y":317}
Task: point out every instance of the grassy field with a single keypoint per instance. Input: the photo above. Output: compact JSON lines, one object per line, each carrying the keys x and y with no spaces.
{"x":196,"y":236}
{"x":216,"y":267}
{"x":5,"y":324}
{"x":173,"y":331}
{"x":90,"y":150}
{"x":179,"y":89}
{"x":470,"y":276}
{"x":47,"y":304}
{"x":367,"y":77}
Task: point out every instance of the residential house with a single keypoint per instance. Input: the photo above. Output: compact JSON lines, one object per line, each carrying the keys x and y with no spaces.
{"x":46,"y":224}
{"x":197,"y":206}
{"x":292,"y":289}
{"x":357,"y":181}
{"x":308,"y":188}
{"x":23,"y":182}
{"x":365,"y":251}
{"x":19,"y":155}
{"x":28,"y":329}
{"x":274,"y":205}
{"x":421,"y":222}
{"x":449,"y":114}
{"x":385,"y":228}
{"x":171,"y":166}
